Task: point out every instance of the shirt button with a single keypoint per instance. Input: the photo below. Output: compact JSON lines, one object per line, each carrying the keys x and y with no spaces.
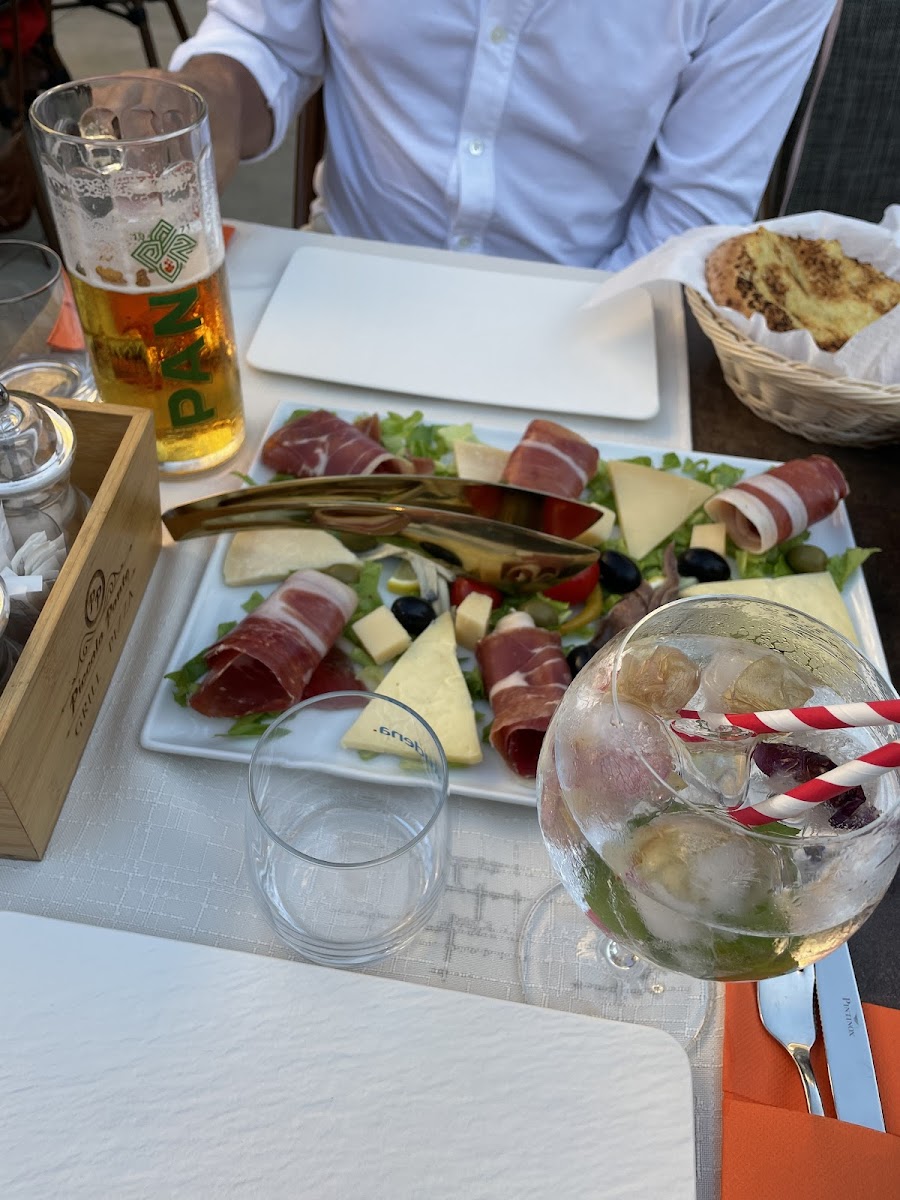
{"x":476,"y":148}
{"x":463,"y":243}
{"x":498,"y":35}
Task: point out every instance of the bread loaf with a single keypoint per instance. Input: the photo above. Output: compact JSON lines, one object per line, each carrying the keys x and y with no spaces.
{"x":799,"y":283}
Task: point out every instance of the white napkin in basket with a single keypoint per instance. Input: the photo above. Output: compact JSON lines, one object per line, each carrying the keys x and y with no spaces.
{"x":873,"y":354}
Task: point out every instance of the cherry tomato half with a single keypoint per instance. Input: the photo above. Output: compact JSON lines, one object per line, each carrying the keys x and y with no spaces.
{"x":461,"y":587}
{"x":576,"y":589}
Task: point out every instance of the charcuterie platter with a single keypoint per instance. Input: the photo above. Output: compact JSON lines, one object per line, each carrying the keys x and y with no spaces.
{"x":437,"y":667}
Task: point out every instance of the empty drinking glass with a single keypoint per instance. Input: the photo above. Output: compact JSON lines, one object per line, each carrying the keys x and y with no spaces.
{"x":42,"y":346}
{"x":347,"y":827}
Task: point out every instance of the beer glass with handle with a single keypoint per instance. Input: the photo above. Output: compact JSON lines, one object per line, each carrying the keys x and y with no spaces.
{"x":129,"y":171}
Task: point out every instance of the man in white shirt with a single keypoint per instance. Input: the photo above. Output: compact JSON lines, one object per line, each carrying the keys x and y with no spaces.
{"x":577,"y":131}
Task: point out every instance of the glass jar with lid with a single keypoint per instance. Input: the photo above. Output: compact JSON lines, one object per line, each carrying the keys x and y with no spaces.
{"x":37,"y":450}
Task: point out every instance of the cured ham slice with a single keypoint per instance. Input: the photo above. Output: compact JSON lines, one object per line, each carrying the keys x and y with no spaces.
{"x":551,"y":458}
{"x":767,"y":509}
{"x":267,"y":661}
{"x":319,"y":443}
{"x":525,"y":676}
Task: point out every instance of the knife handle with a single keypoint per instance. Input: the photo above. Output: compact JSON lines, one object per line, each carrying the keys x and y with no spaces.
{"x":800,"y":1055}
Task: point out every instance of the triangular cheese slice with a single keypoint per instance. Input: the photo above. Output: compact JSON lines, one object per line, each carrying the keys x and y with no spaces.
{"x":429,"y":679}
{"x":651,"y":504}
{"x":267,"y":555}
{"x":815,"y":594}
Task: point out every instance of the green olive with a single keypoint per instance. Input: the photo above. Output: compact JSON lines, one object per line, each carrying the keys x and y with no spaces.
{"x":806,"y":559}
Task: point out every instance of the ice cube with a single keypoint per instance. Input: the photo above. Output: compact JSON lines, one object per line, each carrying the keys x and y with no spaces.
{"x":722,"y":768}
{"x":662,"y":679}
{"x":719,"y":674}
{"x":610,"y":766}
{"x":699,"y":865}
{"x":767,"y":683}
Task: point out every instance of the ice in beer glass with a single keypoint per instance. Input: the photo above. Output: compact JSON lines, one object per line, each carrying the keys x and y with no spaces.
{"x":130,"y":176}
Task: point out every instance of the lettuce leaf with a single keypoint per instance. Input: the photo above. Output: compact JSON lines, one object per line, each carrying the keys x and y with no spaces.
{"x":842,"y":566}
{"x":367,"y":591}
{"x":414,"y":438}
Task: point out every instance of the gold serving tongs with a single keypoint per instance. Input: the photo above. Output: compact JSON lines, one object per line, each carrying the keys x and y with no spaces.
{"x":478,"y":529}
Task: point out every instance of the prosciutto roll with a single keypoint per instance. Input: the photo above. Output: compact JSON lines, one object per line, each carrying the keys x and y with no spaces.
{"x":525,"y":675}
{"x":266,"y":662}
{"x":551,"y":458}
{"x":319,"y":443}
{"x":761,"y":512}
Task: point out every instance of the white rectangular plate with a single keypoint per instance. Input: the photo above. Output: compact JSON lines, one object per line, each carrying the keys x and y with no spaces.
{"x":172,"y":729}
{"x":448,"y":331}
{"x":138,"y":1066}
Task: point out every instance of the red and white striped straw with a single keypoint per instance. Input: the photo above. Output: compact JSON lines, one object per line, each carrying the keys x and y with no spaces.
{"x":795,"y":720}
{"x":797,"y":801}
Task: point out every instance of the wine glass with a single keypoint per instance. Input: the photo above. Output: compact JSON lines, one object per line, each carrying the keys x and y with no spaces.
{"x":636,"y":818}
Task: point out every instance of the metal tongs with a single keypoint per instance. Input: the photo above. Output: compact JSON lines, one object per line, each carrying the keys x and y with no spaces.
{"x":512,"y":538}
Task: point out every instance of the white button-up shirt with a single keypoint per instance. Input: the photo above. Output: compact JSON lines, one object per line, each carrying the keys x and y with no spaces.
{"x":578,"y":131}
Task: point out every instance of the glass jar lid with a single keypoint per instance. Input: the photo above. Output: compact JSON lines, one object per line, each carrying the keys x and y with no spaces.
{"x":37,"y":443}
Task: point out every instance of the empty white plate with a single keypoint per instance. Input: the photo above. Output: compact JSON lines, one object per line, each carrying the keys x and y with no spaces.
{"x":456,"y":331}
{"x":138,"y":1067}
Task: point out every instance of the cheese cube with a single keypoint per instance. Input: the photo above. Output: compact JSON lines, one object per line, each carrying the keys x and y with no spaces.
{"x":472,"y":619}
{"x":709,"y":537}
{"x":599,"y":532}
{"x":381,"y":634}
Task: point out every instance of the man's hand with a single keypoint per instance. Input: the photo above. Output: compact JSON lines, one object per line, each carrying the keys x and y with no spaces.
{"x":240,"y":122}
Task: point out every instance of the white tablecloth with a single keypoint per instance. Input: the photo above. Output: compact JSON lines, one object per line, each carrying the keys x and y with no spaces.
{"x":154,"y":843}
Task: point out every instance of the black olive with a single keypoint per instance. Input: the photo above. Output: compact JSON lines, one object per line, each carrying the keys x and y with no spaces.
{"x":618,"y":573}
{"x":413,"y":613}
{"x":579,"y":656}
{"x":705,"y":565}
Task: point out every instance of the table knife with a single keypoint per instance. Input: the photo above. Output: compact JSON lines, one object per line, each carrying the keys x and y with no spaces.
{"x":850,"y":1067}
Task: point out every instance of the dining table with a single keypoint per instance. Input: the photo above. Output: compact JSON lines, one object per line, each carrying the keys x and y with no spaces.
{"x":153,"y":843}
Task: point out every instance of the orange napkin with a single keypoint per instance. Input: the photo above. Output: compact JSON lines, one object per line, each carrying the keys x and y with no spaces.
{"x":771,"y":1146}
{"x":66,"y":333}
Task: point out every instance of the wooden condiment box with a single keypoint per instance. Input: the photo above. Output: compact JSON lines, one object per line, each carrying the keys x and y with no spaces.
{"x":49,"y":705}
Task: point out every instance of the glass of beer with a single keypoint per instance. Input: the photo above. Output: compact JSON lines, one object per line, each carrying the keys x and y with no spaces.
{"x":129,"y":171}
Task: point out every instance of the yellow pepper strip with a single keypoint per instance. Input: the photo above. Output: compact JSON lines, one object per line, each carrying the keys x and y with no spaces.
{"x":593,"y":608}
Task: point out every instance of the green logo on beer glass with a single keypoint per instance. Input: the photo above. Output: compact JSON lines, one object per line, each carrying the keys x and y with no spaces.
{"x":164,"y":250}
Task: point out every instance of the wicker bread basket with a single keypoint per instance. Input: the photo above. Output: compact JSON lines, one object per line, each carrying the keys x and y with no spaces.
{"x":799,"y":398}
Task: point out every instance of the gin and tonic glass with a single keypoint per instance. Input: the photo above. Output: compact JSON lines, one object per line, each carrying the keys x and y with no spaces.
{"x":636,"y":818}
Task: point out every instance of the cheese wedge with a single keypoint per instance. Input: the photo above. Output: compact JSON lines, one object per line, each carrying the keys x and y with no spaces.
{"x":475,"y":460}
{"x":428,"y":678}
{"x":267,"y":555}
{"x":651,"y":504}
{"x":710,"y":536}
{"x":815,"y":594}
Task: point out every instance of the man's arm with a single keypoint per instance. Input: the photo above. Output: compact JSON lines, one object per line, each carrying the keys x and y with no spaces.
{"x":719,"y":138}
{"x":255,"y":65}
{"x":240,"y":117}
